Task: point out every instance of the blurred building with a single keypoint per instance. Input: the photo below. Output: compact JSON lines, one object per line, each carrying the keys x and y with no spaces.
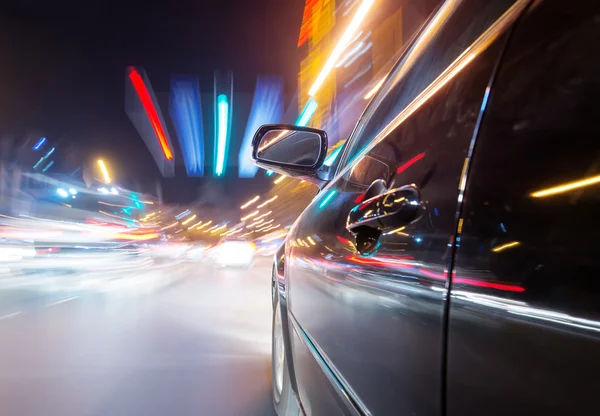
{"x":382,"y":36}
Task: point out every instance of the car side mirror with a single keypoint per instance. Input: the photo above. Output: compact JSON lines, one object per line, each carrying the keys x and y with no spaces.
{"x":290,"y":150}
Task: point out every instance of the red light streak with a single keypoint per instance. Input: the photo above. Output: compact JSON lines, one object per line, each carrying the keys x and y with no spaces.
{"x":410,"y":162}
{"x":480,"y":283}
{"x":142,"y":92}
{"x":359,"y":199}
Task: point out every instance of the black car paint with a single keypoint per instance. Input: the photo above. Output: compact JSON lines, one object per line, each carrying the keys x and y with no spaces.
{"x":377,"y":322}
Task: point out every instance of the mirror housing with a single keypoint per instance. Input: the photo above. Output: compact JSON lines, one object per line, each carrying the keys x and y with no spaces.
{"x":290,"y":150}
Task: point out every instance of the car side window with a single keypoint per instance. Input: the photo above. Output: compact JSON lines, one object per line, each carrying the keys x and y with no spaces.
{"x":448,"y":33}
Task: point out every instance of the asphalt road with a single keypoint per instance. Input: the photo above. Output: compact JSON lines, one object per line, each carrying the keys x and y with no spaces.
{"x":182,"y":340}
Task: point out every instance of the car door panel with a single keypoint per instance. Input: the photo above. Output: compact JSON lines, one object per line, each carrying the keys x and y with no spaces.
{"x":379,"y":318}
{"x":524,"y":322}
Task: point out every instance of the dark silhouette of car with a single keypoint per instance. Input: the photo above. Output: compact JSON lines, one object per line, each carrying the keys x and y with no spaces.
{"x":454,"y":263}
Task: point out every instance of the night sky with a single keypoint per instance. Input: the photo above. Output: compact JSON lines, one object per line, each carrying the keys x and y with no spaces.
{"x":62,"y":65}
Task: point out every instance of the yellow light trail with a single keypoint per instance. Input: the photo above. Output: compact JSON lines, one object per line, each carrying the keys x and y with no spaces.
{"x":505,"y":246}
{"x":341,"y":45}
{"x":249,"y":216}
{"x":375,"y":88}
{"x":275,"y":237}
{"x":263,"y":215}
{"x":278,"y":180}
{"x":254,"y":224}
{"x":219,"y":228}
{"x":170,"y":226}
{"x":267,"y":201}
{"x":311,"y":241}
{"x":104,"y":171}
{"x":192,"y":226}
{"x":204,"y":225}
{"x":569,"y":186}
{"x":190,"y":219}
{"x":252,"y":201}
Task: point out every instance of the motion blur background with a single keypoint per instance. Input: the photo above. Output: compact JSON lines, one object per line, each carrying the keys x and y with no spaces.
{"x":125,"y":133}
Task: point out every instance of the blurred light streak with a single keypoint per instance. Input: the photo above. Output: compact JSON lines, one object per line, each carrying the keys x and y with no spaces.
{"x":263,"y":215}
{"x":110,"y":215}
{"x":273,"y":227}
{"x":505,"y":246}
{"x":269,"y":173}
{"x":249,"y":216}
{"x":186,"y":113}
{"x":39,"y":161}
{"x":254,"y":224}
{"x":268,"y":228}
{"x":341,"y":45}
{"x":190,"y":219}
{"x":28,"y":234}
{"x":351,"y":52}
{"x":73,"y":191}
{"x":311,"y":241}
{"x":61,"y":192}
{"x":232,"y":232}
{"x":275,"y":237}
{"x":359,"y":54}
{"x":50,"y":152}
{"x":375,"y":88}
{"x":48,"y":166}
{"x":222,"y":133}
{"x":144,"y":95}
{"x":247,"y":234}
{"x":39,"y":144}
{"x":113,"y":205}
{"x":195,"y":225}
{"x":252,"y":201}
{"x":278,"y":180}
{"x":267,"y":201}
{"x":267,"y":108}
{"x":104,"y":171}
{"x":103,"y":191}
{"x":170,"y":226}
{"x":204,"y":225}
{"x":183,"y":214}
{"x":219,"y":228}
{"x":333,"y":156}
{"x":358,"y":76}
{"x":137,"y":237}
{"x":569,"y":186}
{"x":309,"y":110}
{"x":327,"y":199}
{"x":410,"y":162}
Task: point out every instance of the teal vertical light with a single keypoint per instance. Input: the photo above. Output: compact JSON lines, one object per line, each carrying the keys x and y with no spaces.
{"x":307,"y":113}
{"x":222,"y":133}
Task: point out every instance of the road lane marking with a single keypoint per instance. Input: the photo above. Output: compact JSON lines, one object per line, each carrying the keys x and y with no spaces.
{"x":62,"y":301}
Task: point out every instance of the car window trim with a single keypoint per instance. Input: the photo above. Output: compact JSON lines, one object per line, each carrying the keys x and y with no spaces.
{"x":501,"y":25}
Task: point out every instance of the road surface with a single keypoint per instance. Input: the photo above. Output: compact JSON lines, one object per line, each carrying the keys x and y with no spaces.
{"x":182,"y":340}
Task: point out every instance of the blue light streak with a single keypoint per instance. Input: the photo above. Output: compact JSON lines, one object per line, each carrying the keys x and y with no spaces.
{"x":48,"y":166}
{"x":327,"y":199}
{"x":186,"y":113}
{"x":39,"y":144}
{"x":309,"y":110}
{"x":333,"y":156}
{"x":267,"y":108}
{"x":222,"y":133}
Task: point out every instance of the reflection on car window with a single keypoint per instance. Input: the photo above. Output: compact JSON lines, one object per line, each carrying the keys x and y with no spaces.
{"x":432,"y":52}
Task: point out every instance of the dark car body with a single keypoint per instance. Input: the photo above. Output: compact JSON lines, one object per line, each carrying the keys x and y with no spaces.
{"x":485,"y":300}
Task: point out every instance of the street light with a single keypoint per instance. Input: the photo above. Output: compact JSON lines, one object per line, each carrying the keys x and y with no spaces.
{"x":104,"y":170}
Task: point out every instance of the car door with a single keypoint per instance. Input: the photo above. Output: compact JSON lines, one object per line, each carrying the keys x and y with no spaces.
{"x":524,"y":321}
{"x":374,"y":317}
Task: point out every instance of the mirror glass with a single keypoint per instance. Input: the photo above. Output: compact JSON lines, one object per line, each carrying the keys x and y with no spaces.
{"x":298,"y":148}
